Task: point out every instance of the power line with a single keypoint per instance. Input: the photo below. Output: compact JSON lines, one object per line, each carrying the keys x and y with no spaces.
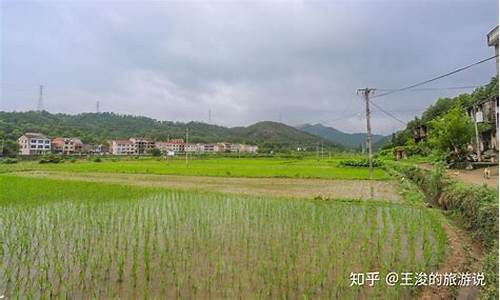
{"x":436,"y":78}
{"x":387,"y":113}
{"x":436,"y":89}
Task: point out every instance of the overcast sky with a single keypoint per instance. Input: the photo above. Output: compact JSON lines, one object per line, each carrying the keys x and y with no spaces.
{"x":290,"y":61}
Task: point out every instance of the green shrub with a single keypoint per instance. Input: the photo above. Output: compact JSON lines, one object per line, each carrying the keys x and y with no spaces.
{"x":490,"y":291}
{"x":360,"y":163}
{"x":9,"y":161}
{"x":477,"y":207}
{"x":97,"y":160}
{"x":50,"y":159}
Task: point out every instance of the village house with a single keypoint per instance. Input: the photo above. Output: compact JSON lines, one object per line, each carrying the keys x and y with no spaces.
{"x":248,"y":148}
{"x":194,"y":148}
{"x":235,"y":148}
{"x":122,"y":147}
{"x":94,"y":149}
{"x":176,"y":145}
{"x":209,"y":148}
{"x":142,"y":146}
{"x":162,"y":146}
{"x":485,"y":114}
{"x":420,"y":133}
{"x":492,"y":39}
{"x":67,"y":146}
{"x":33,"y":143}
{"x":171,"y":146}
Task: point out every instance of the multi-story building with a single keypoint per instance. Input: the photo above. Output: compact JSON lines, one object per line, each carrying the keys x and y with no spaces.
{"x":209,"y":148}
{"x":122,"y":147}
{"x":485,"y":114}
{"x":222,"y":147}
{"x":493,"y":41}
{"x":248,"y":148}
{"x":162,"y":146}
{"x":194,"y":148}
{"x":142,"y":146}
{"x":62,"y":145}
{"x":235,"y":148}
{"x":94,"y":149}
{"x":33,"y":143}
{"x":176,"y":145}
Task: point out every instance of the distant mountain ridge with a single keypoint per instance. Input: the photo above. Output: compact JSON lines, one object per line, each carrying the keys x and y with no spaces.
{"x":99,"y":127}
{"x":349,"y":140}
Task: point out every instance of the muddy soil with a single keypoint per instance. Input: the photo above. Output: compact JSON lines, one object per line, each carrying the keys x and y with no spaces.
{"x":279,"y":187}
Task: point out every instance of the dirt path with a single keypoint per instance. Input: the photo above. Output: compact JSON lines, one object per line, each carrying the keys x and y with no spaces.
{"x":471,"y":176}
{"x":463,"y":257}
{"x":281,"y":187}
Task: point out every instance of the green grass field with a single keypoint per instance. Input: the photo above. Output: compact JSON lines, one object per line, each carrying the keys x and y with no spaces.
{"x":68,"y":239}
{"x":226,"y":167}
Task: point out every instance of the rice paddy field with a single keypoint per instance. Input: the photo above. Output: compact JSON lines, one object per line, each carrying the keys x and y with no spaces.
{"x":220,"y":167}
{"x":73,"y":239}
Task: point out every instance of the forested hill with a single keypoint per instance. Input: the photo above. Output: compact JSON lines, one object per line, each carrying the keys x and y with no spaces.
{"x":351,"y":140}
{"x":99,"y":127}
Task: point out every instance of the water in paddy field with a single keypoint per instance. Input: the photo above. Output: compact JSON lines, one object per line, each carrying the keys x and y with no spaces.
{"x":192,"y":245}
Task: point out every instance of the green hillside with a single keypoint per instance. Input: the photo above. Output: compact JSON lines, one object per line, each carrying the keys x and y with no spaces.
{"x":99,"y":127}
{"x":349,"y":140}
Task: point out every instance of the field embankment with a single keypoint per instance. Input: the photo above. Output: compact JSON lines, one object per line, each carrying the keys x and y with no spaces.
{"x":475,"y":208}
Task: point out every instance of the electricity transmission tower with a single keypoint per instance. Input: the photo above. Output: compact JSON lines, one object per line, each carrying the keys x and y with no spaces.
{"x":40,"y":100}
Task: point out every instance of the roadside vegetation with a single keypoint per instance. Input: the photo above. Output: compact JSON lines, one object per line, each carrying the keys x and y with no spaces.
{"x":474,"y":207}
{"x":450,"y":130}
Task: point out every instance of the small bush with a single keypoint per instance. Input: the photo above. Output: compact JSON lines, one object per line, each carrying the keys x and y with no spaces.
{"x":50,"y":159}
{"x":97,"y":160}
{"x":9,"y":161}
{"x":360,"y":163}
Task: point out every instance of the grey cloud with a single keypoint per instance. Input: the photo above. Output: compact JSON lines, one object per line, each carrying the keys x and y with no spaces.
{"x":294,"y":61}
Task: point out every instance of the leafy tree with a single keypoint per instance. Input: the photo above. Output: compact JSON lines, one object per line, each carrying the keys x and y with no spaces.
{"x":155,"y":152}
{"x":453,"y":131}
{"x":10,"y":148}
{"x":437,"y":109}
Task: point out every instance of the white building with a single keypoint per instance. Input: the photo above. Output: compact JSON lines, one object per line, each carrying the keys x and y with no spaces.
{"x":33,"y":143}
{"x":122,"y":147}
{"x":209,"y":148}
{"x":176,"y":146}
{"x":194,"y":148}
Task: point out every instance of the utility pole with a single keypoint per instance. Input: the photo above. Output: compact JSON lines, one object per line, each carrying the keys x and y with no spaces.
{"x":321,"y":150}
{"x":366,"y":93}
{"x":209,"y":116}
{"x":97,"y":109}
{"x":185,"y":145}
{"x":478,"y":146}
{"x":317,"y":151}
{"x":40,"y":99}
